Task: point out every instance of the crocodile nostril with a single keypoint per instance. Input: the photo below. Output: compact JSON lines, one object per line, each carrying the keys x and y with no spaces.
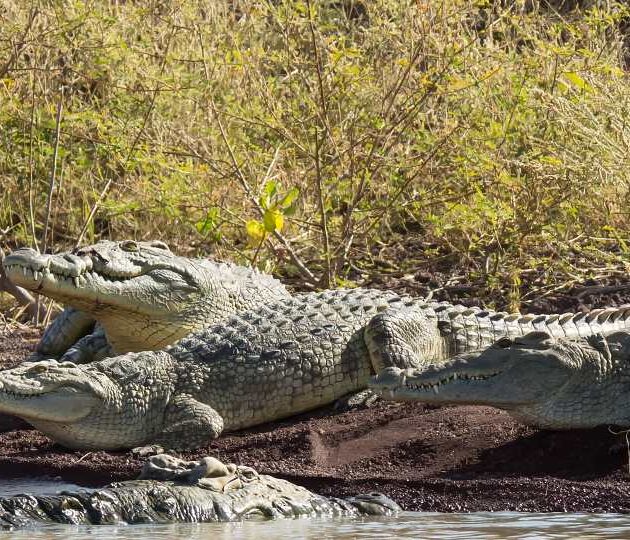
{"x":98,"y":256}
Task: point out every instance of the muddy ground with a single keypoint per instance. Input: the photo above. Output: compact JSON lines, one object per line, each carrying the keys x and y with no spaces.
{"x":426,"y":458}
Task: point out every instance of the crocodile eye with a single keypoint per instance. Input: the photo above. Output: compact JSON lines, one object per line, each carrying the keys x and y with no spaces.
{"x":129,"y":245}
{"x":160,"y":245}
{"x":37,"y":369}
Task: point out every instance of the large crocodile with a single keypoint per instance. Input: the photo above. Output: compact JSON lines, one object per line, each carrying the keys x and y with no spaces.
{"x":260,"y":365}
{"x":144,"y":296}
{"x":539,"y":380}
{"x":172,"y":490}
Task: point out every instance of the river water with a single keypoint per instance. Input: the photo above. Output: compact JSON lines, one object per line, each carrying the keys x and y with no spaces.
{"x":417,"y":525}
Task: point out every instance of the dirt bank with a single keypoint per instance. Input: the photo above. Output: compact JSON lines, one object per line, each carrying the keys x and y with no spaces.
{"x":426,"y":458}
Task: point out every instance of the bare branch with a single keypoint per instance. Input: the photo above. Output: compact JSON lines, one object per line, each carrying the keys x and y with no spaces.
{"x":24,"y":298}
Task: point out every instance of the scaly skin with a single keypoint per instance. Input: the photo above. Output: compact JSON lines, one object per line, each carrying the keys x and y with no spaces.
{"x":143,"y":295}
{"x":260,"y":365}
{"x":539,"y":380}
{"x":146,"y":298}
{"x":173,"y":491}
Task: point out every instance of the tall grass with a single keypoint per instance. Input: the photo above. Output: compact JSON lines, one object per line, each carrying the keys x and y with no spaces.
{"x":308,"y":134}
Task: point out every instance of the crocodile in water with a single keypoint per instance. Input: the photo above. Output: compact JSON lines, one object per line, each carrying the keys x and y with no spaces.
{"x":171,"y":490}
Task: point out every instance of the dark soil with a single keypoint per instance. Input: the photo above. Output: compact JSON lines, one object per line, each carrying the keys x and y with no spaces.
{"x":426,"y":458}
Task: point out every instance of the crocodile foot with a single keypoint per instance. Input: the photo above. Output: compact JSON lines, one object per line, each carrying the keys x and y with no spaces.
{"x":360,"y":400}
{"x":147,"y":451}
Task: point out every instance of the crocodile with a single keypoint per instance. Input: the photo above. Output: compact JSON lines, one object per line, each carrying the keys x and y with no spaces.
{"x":145,"y":298}
{"x":257,"y":366}
{"x":141,"y":294}
{"x":540,"y":380}
{"x":171,"y":490}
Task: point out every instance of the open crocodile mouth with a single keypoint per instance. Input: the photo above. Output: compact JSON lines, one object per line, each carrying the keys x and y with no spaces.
{"x":39,"y":272}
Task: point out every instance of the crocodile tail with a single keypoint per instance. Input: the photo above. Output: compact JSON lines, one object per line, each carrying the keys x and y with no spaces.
{"x":473,"y":328}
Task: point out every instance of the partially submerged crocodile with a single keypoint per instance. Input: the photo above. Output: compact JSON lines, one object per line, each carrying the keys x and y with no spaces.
{"x":172,"y":490}
{"x":141,"y":294}
{"x":539,"y":380}
{"x":260,"y":365}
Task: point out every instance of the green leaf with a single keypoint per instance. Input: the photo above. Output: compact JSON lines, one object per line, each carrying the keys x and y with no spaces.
{"x":288,"y":199}
{"x":577,"y":81}
{"x":208,"y":223}
{"x":271,"y":188}
{"x":269,"y":191}
{"x":255,"y":230}
{"x":273,"y":220}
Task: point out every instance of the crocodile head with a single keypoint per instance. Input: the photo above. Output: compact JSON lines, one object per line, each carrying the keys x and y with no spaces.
{"x":103,"y":405}
{"x":144,"y":296}
{"x":541,"y":381}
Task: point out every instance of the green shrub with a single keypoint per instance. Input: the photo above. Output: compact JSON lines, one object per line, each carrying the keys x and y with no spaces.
{"x":497,"y":129}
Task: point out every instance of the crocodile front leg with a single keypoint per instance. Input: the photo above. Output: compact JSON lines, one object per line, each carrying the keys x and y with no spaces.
{"x":64,"y":331}
{"x":188,"y":424}
{"x":89,"y":348}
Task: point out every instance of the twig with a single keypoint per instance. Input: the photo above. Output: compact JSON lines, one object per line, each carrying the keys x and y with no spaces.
{"x":31,"y":210}
{"x":20,"y":46}
{"x":109,"y":183}
{"x":328,"y":276}
{"x":83,"y":457}
{"x":306,"y":273}
{"x":53,"y":172}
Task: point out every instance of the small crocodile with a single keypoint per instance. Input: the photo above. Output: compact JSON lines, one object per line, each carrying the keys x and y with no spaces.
{"x":538,"y":379}
{"x":141,"y":294}
{"x":171,"y":490}
{"x":260,"y":365}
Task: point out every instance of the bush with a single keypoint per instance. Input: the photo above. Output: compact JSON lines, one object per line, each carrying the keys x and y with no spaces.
{"x":307,"y":133}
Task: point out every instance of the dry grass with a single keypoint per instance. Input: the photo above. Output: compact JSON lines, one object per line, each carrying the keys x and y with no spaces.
{"x":497,"y":131}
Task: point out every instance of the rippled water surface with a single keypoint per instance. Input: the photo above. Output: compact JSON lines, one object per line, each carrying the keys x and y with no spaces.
{"x":481,"y":525}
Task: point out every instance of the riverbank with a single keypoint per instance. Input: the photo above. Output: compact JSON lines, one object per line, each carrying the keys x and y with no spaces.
{"x":447,"y":459}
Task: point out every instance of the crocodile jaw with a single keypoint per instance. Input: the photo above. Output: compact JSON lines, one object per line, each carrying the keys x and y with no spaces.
{"x":445,"y":387}
{"x":143,"y":302}
{"x":95,"y":283}
{"x":507,"y":378}
{"x":62,"y":405}
{"x":52,"y":391}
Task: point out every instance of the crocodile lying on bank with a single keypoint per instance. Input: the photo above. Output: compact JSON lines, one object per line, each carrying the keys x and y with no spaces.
{"x":539,"y":380}
{"x":257,"y":366}
{"x":141,"y":294}
{"x":172,"y":490}
{"x":146,"y":298}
